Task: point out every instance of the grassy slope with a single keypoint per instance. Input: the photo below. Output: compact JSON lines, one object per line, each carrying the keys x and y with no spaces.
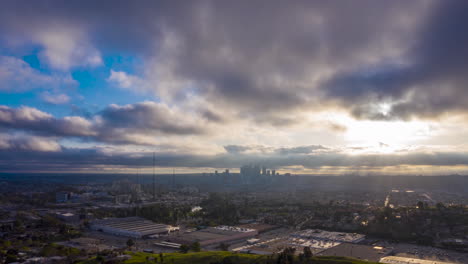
{"x":208,"y":257}
{"x":196,"y":258}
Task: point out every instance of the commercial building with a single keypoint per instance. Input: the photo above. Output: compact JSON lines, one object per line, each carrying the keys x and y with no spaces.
{"x":331,"y":236}
{"x":216,"y":235}
{"x":135,"y":227}
{"x":267,"y":247}
{"x":261,"y":228}
{"x":362,"y":252}
{"x":62,"y":197}
{"x":67,"y":216}
{"x":315,"y":239}
{"x":404,"y":260}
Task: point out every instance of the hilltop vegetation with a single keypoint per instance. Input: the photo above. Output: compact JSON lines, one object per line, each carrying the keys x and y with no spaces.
{"x":224,"y":257}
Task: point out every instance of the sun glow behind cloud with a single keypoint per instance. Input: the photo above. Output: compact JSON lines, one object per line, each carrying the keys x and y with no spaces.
{"x":387,"y":132}
{"x":380,"y":136}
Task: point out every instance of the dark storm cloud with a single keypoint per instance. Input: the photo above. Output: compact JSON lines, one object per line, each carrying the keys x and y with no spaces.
{"x":27,"y":143}
{"x":34,"y":120}
{"x":128,"y":124}
{"x":432,"y":84}
{"x":236,"y":148}
{"x":266,"y":61}
{"x":148,"y":116}
{"x":262,"y":59}
{"x":243,"y":149}
{"x":301,"y":149}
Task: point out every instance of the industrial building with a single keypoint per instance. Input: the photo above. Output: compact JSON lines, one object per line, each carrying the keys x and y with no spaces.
{"x":315,"y":239}
{"x":330,"y":236}
{"x":404,"y":260}
{"x":62,"y":197}
{"x":267,"y":247}
{"x":67,"y":216}
{"x":216,"y":235}
{"x":135,"y":227}
{"x":362,"y":252}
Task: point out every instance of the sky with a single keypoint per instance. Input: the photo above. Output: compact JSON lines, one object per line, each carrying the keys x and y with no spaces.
{"x":307,"y":87}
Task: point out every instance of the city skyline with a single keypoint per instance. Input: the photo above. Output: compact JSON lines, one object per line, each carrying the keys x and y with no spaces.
{"x":310,"y":87}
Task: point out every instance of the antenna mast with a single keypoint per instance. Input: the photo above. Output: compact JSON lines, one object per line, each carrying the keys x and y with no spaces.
{"x":154,"y":179}
{"x":173,"y":178}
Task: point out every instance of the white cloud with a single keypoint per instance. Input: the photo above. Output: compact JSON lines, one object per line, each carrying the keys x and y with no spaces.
{"x":66,"y":47}
{"x":28,"y":143}
{"x":55,"y":98}
{"x":125,"y":80}
{"x":17,"y":76}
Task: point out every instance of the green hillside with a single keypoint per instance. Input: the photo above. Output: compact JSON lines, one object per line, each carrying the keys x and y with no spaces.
{"x":224,"y":257}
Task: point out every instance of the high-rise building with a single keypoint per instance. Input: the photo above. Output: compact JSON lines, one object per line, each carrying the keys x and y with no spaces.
{"x":256,"y":171}
{"x":62,"y":197}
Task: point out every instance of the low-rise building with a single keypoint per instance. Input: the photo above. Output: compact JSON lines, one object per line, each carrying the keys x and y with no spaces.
{"x":216,"y":235}
{"x":135,"y":227}
{"x":62,"y":197}
{"x":404,"y":260}
{"x":362,"y":252}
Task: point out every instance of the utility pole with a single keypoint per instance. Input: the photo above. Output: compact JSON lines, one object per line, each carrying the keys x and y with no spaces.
{"x":173,"y":178}
{"x":154,"y":178}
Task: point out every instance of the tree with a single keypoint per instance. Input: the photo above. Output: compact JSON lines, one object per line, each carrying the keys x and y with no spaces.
{"x":420,"y":205}
{"x":440,"y":206}
{"x":100,"y":259}
{"x":224,"y":247}
{"x":130,"y":242}
{"x":307,"y":253}
{"x":11,"y":259}
{"x":286,"y":256}
{"x":184,"y":248}
{"x":195,"y":247}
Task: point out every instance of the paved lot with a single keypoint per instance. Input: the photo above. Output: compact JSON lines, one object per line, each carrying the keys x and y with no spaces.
{"x":427,"y":253}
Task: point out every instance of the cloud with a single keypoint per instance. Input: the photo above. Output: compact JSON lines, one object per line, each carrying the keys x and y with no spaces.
{"x":150,"y":116}
{"x":432,"y":82}
{"x":54,"y":98}
{"x":256,"y":149}
{"x":27,"y":143}
{"x":67,"y":47}
{"x":139,"y":123}
{"x":17,"y":76}
{"x":33,"y":120}
{"x":301,"y":149}
{"x":269,"y":66}
{"x":126,"y":81}
{"x":236,"y":148}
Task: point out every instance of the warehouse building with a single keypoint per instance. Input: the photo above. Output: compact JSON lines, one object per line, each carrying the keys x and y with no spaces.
{"x":404,"y":260}
{"x":216,"y":235}
{"x":315,"y":239}
{"x":135,"y":227}
{"x":362,"y":252}
{"x":330,"y":236}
